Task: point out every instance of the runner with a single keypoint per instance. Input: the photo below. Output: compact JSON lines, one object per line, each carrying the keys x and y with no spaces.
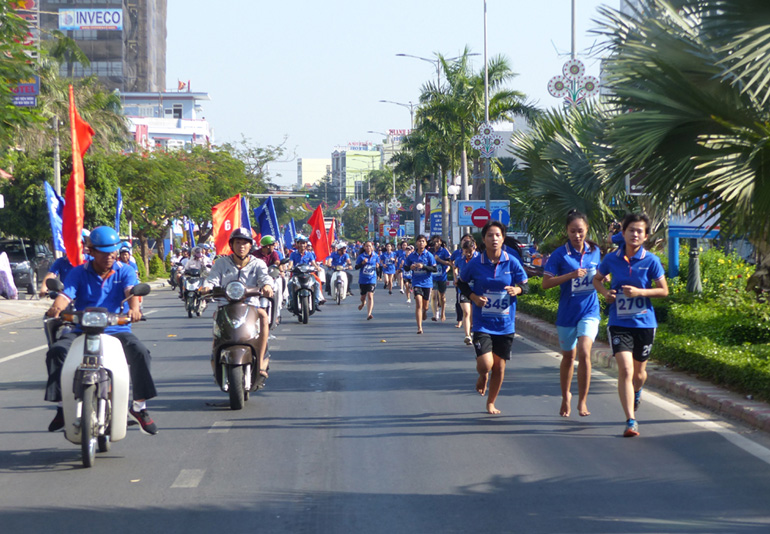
{"x":632,"y":320}
{"x":468,"y":249}
{"x":497,"y":279}
{"x":367,"y":278}
{"x":422,"y":263}
{"x":439,"y":277}
{"x":453,"y":261}
{"x":406,"y":275}
{"x":573,"y":267}
{"x":400,"y":255}
{"x":388,"y":262}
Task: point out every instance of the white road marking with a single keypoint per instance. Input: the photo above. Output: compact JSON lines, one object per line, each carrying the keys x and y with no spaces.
{"x":23,"y":353}
{"x":220,"y":427}
{"x":753,"y":448}
{"x":189,"y":478}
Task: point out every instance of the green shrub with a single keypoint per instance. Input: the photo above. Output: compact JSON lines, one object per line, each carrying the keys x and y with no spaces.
{"x":156,"y":267}
{"x":142,"y":269}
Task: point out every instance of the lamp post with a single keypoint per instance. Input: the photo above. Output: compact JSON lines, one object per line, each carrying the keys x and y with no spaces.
{"x":436,"y":62}
{"x":393,"y":199}
{"x":408,"y":106}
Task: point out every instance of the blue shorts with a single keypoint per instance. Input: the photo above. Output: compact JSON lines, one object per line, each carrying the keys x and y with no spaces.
{"x":568,"y":335}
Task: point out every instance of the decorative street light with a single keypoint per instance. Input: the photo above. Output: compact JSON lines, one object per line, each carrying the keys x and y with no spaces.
{"x":572,"y":84}
{"x":408,"y":106}
{"x":436,"y":62}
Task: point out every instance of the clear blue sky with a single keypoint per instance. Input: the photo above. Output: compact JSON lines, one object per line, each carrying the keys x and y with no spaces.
{"x":314,"y":71}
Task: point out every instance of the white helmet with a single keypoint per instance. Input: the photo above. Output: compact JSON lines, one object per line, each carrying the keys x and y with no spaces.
{"x":341,"y":244}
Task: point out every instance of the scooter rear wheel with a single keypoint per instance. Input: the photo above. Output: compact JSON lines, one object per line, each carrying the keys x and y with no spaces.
{"x":235,"y":386}
{"x":88,"y":425}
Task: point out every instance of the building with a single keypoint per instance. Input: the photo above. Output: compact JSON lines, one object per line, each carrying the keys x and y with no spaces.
{"x":125,"y":40}
{"x":311,"y":171}
{"x":350,"y":167}
{"x":167,"y":120}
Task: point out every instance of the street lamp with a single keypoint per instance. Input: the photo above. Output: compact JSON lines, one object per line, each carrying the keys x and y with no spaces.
{"x":393,"y":174}
{"x":436,"y":62}
{"x":408,"y":106}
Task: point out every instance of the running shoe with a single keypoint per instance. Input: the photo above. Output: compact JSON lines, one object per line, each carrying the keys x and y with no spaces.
{"x":58,"y":421}
{"x":408,"y":301}
{"x":402,"y":290}
{"x":632,"y":429}
{"x":468,"y":340}
{"x":637,"y":399}
{"x":146,"y":424}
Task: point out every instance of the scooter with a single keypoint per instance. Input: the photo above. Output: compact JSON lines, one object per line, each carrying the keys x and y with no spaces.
{"x":339,"y":284}
{"x":172,"y":277}
{"x":193,"y":302}
{"x":279,"y":287}
{"x":235,"y":355}
{"x":304,"y":284}
{"x":96,"y":406}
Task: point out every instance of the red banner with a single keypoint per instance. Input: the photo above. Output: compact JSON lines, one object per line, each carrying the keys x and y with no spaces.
{"x":318,"y":236}
{"x":73,"y":213}
{"x":225,"y":217}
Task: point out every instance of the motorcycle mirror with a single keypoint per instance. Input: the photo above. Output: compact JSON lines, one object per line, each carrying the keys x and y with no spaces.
{"x":140,"y":290}
{"x":284,"y":261}
{"x":54,"y":284}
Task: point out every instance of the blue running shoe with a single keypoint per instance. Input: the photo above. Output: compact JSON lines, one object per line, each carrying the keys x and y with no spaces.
{"x":637,"y":399}
{"x":632,"y":429}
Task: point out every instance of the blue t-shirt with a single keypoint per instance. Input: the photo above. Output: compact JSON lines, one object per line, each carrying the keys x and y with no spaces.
{"x":88,"y":289}
{"x":298,"y":259}
{"x":489,"y":280}
{"x":422,"y":277}
{"x":339,"y":260}
{"x":368,"y":268}
{"x":455,"y":255}
{"x":460,"y":261}
{"x":578,"y":298}
{"x":388,"y":262}
{"x":400,"y":256}
{"x":440,"y":275}
{"x":61,"y":268}
{"x":641,"y":271}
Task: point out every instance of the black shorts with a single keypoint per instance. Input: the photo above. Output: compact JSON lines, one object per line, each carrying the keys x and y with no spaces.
{"x":637,"y":341}
{"x":462,"y":299}
{"x":424,"y":292}
{"x":367,"y":288}
{"x":498,"y":344}
{"x":440,"y":286}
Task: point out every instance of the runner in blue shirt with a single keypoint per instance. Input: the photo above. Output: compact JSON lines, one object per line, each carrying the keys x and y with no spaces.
{"x":632,"y":320}
{"x":497,"y":277}
{"x":406,"y":274}
{"x":468,"y":252}
{"x":422,"y":264}
{"x":367,"y":278}
{"x":439,"y":277}
{"x":455,"y":272}
{"x":400,"y":256}
{"x":388,"y":262}
{"x":573,"y":266}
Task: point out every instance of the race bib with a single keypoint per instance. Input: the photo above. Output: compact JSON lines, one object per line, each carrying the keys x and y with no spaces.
{"x":584,"y":284}
{"x":369,"y":269}
{"x":498,"y":303}
{"x":630,"y":306}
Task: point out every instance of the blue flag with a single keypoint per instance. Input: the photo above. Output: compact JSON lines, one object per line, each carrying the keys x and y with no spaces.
{"x":55,"y":206}
{"x":267,"y":219}
{"x":190,"y":229}
{"x":288,"y":240}
{"x":245,"y":222}
{"x":118,"y":211}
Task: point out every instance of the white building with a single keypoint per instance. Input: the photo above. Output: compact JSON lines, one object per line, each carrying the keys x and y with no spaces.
{"x":167,"y":120}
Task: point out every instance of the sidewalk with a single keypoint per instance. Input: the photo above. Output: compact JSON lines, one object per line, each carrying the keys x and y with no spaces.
{"x":679,"y":384}
{"x":17,"y":310}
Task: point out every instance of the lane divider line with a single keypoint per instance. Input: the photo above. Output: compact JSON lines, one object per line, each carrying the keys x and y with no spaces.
{"x":23,"y":353}
{"x":189,"y":478}
{"x":221,"y":427}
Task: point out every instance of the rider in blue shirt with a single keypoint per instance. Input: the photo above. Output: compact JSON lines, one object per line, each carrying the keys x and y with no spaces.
{"x":632,"y":321}
{"x":338,"y":258}
{"x":573,"y":267}
{"x":497,"y":277}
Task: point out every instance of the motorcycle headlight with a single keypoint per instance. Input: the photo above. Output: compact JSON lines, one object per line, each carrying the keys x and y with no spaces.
{"x":95,"y":320}
{"x":235,"y":290}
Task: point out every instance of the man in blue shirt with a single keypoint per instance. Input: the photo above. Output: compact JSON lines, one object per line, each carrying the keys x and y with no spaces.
{"x":442,"y":256}
{"x":303,"y":256}
{"x":102,"y":282}
{"x":400,"y":257}
{"x":339,"y":258}
{"x":422,"y":264}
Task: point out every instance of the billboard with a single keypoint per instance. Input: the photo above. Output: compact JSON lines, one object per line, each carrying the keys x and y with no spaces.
{"x":91,"y":19}
{"x":466,"y":207}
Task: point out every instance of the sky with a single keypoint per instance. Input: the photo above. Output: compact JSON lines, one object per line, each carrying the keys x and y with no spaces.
{"x":312,"y":72}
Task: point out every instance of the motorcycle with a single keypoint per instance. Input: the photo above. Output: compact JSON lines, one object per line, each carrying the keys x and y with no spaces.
{"x":193,"y":302}
{"x":339,"y":284}
{"x":304,"y":284}
{"x":279,"y":287}
{"x":96,"y":406}
{"x":235,"y":355}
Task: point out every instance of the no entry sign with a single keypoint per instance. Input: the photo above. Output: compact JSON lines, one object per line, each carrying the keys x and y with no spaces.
{"x":480,"y":217}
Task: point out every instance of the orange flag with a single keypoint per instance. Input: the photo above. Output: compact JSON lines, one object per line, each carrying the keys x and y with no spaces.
{"x":318,"y":237}
{"x":225,"y":217}
{"x":74,"y":198}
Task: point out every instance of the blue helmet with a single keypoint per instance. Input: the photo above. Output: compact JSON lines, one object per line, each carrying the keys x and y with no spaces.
{"x":105,"y":239}
{"x":300,"y":237}
{"x":125,"y":247}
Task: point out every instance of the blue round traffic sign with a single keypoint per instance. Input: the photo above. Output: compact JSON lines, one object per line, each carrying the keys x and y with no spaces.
{"x":501,"y":215}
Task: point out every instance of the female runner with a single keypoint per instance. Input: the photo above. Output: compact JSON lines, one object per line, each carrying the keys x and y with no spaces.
{"x":367,"y":278}
{"x":388,"y":262}
{"x":497,"y":277}
{"x":469,"y":252}
{"x":422,"y":264}
{"x":573,"y":267}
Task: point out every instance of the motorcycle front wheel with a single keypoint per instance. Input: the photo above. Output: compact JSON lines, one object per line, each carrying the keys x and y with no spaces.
{"x":189,"y":304}
{"x":235,"y":386}
{"x":305,"y":305}
{"x":88,"y":426}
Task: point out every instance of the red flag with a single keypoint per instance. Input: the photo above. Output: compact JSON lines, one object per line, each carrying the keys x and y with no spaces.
{"x":330,"y":237}
{"x":225,"y":217}
{"x":318,"y":237}
{"x":73,"y":213}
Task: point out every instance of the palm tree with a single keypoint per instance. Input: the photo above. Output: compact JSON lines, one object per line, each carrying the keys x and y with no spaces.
{"x":691,"y":92}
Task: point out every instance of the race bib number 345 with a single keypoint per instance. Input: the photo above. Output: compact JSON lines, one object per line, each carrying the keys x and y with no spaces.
{"x":498,"y":303}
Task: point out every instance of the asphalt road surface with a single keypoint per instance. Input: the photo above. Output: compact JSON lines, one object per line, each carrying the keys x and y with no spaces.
{"x":366,"y":427}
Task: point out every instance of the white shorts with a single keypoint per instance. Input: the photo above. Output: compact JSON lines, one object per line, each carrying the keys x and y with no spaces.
{"x":568,"y":335}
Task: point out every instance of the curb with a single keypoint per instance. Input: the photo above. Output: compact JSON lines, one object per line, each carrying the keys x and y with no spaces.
{"x":676,"y":383}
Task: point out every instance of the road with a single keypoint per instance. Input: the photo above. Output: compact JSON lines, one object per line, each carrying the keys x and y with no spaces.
{"x":366,"y":427}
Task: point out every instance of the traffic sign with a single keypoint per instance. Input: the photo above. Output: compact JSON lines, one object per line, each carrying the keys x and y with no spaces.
{"x":393,"y":232}
{"x":480,"y":217}
{"x":501,"y":215}
{"x":366,"y":228}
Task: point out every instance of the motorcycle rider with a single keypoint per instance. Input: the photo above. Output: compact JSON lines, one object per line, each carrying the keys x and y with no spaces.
{"x":199,"y":261}
{"x":252,"y":272}
{"x":302,"y":256}
{"x":103,"y":282}
{"x":125,"y":257}
{"x":339,"y":258}
{"x":62,"y":266}
{"x":267,"y":252}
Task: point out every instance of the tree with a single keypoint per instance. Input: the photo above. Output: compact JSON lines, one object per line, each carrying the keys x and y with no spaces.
{"x":695,"y":77}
